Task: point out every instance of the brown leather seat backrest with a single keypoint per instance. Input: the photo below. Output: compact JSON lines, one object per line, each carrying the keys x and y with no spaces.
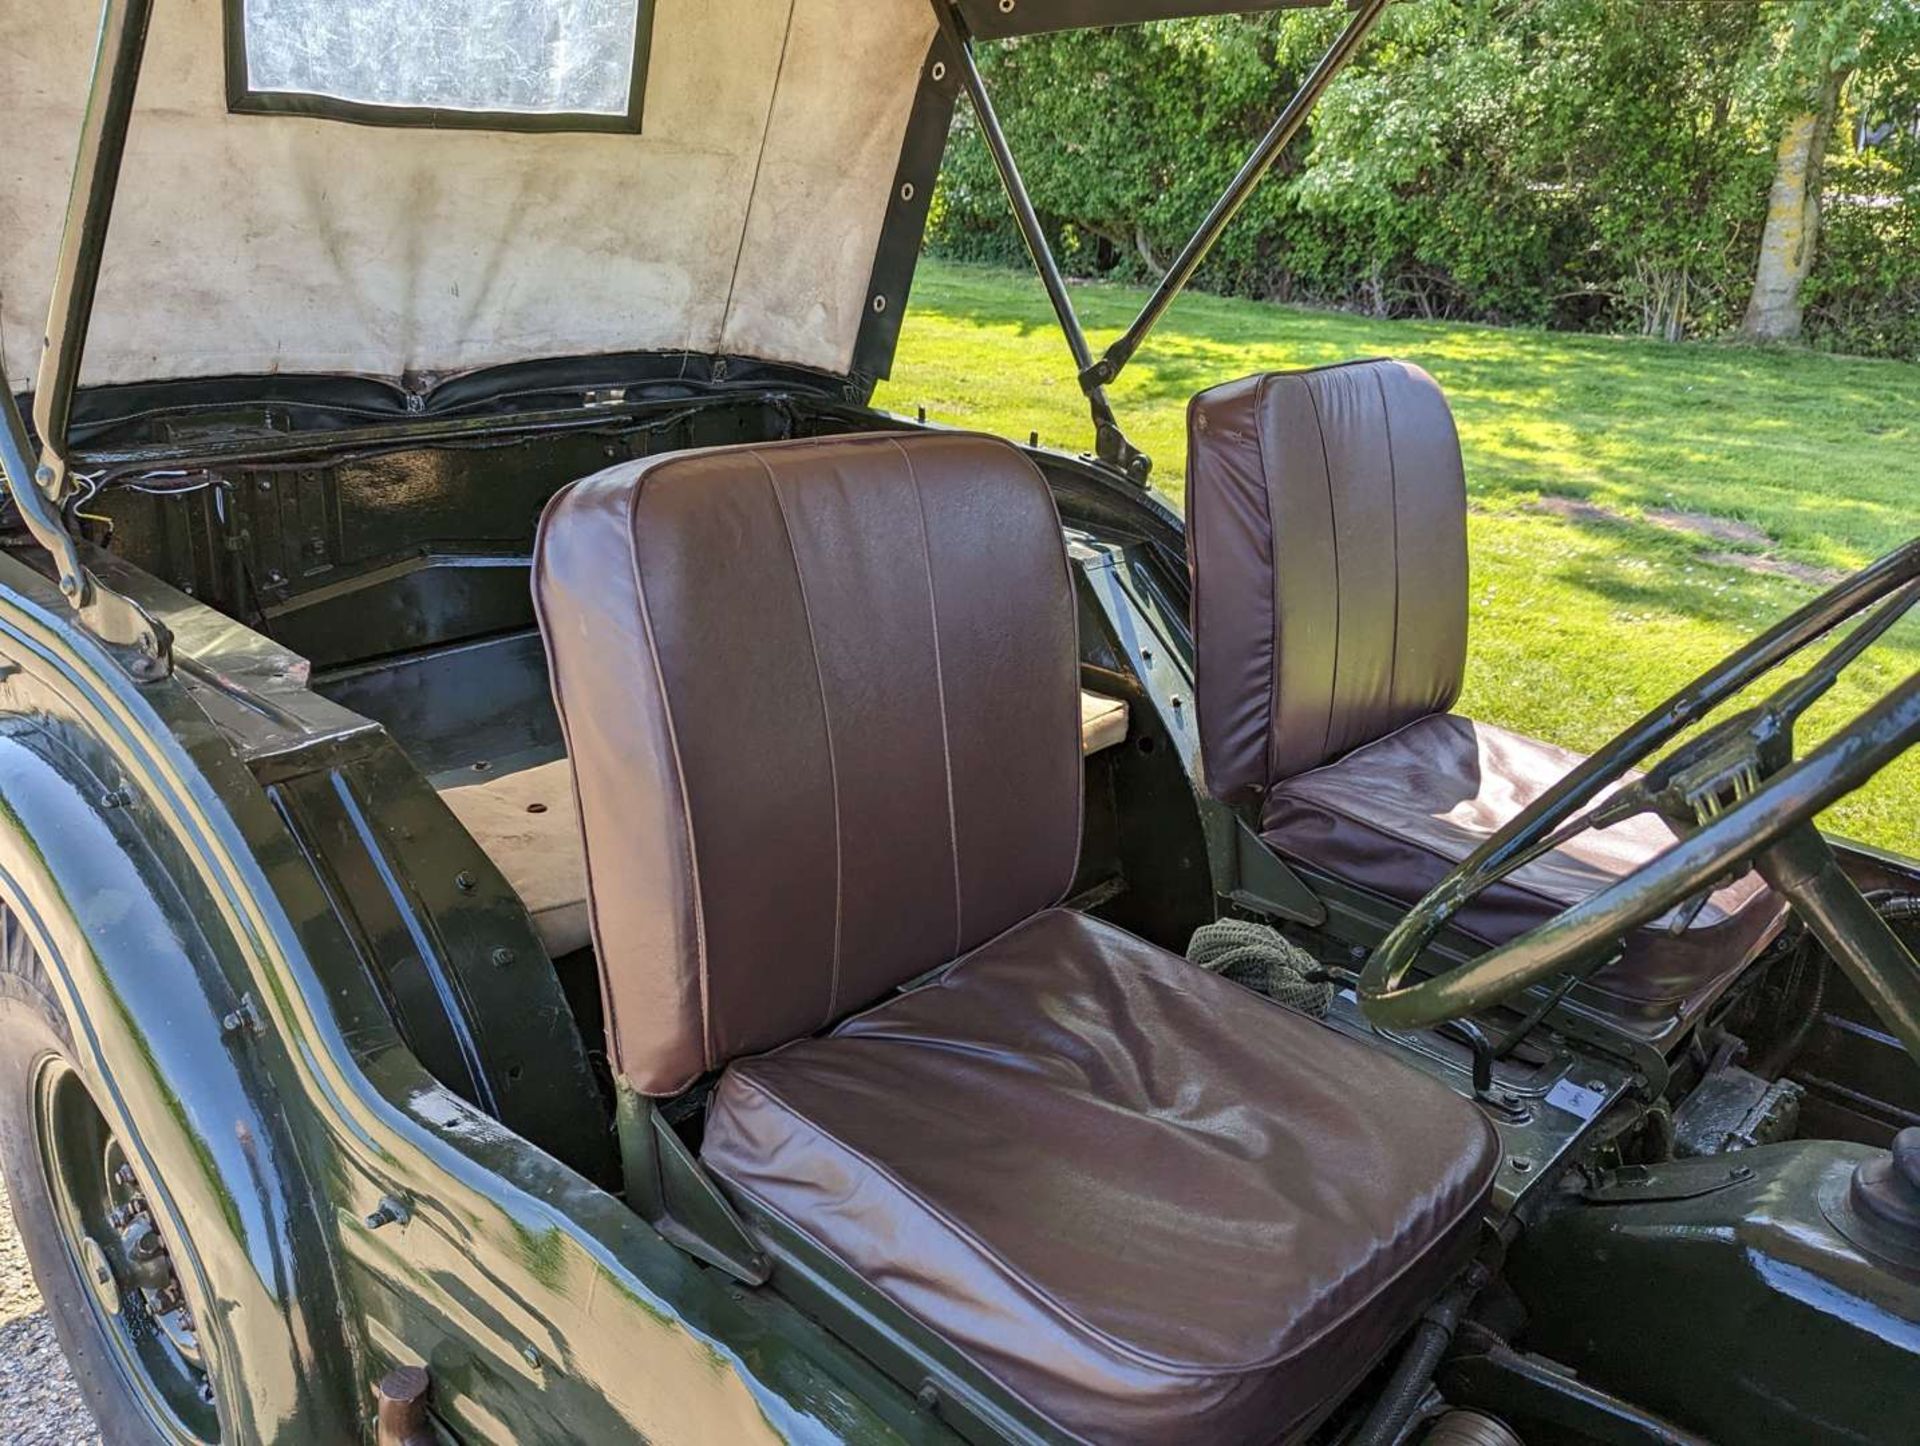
{"x":1326,"y":533}
{"x":822,"y":703}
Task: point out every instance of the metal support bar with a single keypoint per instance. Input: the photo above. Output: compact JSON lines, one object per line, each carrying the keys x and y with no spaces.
{"x":142,"y":644}
{"x":1102,"y":372}
{"x":96,"y":176}
{"x":1110,"y":443}
{"x":1803,"y":869}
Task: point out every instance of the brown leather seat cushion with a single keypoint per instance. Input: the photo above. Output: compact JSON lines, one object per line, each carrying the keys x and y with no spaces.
{"x":1326,"y":535}
{"x":1150,"y":1203}
{"x":822,"y":704}
{"x":1395,"y":816}
{"x":1327,"y":539}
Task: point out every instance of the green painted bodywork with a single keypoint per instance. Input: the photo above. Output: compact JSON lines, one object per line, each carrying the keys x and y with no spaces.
{"x":1736,"y":1311}
{"x":161,"y":885}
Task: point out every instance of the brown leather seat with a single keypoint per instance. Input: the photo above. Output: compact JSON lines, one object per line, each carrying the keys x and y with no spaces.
{"x":1149,"y":1204}
{"x":1326,"y":528}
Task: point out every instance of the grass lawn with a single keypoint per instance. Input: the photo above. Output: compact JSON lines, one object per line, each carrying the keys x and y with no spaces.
{"x":1587,"y":608}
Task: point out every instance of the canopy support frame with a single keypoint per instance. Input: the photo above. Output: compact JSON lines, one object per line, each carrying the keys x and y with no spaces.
{"x":1109,"y":441}
{"x":41,"y":490}
{"x":1096,"y":376}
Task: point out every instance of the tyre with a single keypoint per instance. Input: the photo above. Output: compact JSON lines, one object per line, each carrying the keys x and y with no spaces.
{"x":103,"y":1264}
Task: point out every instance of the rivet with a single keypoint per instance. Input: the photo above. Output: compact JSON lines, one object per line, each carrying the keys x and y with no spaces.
{"x":1519,"y":1164}
{"x":1006,"y":7}
{"x":906,"y":190}
{"x":879,"y":304}
{"x":464,"y":882}
{"x":939,"y":70}
{"x":266,"y":484}
{"x":502,"y":957}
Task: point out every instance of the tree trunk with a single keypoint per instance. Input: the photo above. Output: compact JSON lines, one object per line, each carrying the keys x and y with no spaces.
{"x":1792,"y":232}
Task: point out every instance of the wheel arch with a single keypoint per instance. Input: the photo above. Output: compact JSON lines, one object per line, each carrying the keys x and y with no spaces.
{"x":144,"y":984}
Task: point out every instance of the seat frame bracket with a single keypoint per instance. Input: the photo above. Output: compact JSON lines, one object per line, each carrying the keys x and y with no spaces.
{"x":670,"y":1189}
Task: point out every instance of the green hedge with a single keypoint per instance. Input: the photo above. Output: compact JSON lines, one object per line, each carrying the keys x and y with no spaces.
{"x":1585,"y":164}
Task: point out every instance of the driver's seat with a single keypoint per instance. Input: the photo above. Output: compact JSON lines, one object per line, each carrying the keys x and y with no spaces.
{"x":1326,"y":532}
{"x":822,"y":704}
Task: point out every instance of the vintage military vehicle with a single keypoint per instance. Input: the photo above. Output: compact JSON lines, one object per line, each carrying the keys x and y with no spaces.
{"x":565,"y":880}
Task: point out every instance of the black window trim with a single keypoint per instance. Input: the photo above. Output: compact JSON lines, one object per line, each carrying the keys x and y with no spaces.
{"x":243,"y":99}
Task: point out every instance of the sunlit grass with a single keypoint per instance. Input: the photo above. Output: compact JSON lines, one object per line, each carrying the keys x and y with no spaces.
{"x":1579,"y":623}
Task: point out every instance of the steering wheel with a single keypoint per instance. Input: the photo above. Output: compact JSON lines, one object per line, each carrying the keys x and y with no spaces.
{"x":1737,"y":798}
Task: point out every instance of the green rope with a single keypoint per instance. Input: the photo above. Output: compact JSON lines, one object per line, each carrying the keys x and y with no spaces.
{"x":1264,"y":960}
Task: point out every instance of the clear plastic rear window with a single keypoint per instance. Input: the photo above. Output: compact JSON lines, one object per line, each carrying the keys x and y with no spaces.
{"x":548,"y":64}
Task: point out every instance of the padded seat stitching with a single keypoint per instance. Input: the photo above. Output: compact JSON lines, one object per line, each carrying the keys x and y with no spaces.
{"x":1017,"y":1278}
{"x":1393,"y":492}
{"x":826,"y":725}
{"x":940,"y":685}
{"x":1261,"y":388}
{"x":1333,"y":530}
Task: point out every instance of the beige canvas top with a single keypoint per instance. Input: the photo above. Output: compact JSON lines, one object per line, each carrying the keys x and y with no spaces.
{"x":743,"y":220}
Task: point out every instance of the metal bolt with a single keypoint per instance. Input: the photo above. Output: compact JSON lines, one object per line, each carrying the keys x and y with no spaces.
{"x":906,"y":190}
{"x":1006,"y":7}
{"x":266,"y":484}
{"x":245,"y":1018}
{"x":939,"y":70}
{"x":530,"y":1356}
{"x":388,"y":1212}
{"x":879,"y":304}
{"x":402,"y":1411}
{"x":502,"y":957}
{"x":1519,"y":1164}
{"x":928,"y":1397}
{"x":464,"y":882}
{"x":69,"y":584}
{"x":43,"y":474}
